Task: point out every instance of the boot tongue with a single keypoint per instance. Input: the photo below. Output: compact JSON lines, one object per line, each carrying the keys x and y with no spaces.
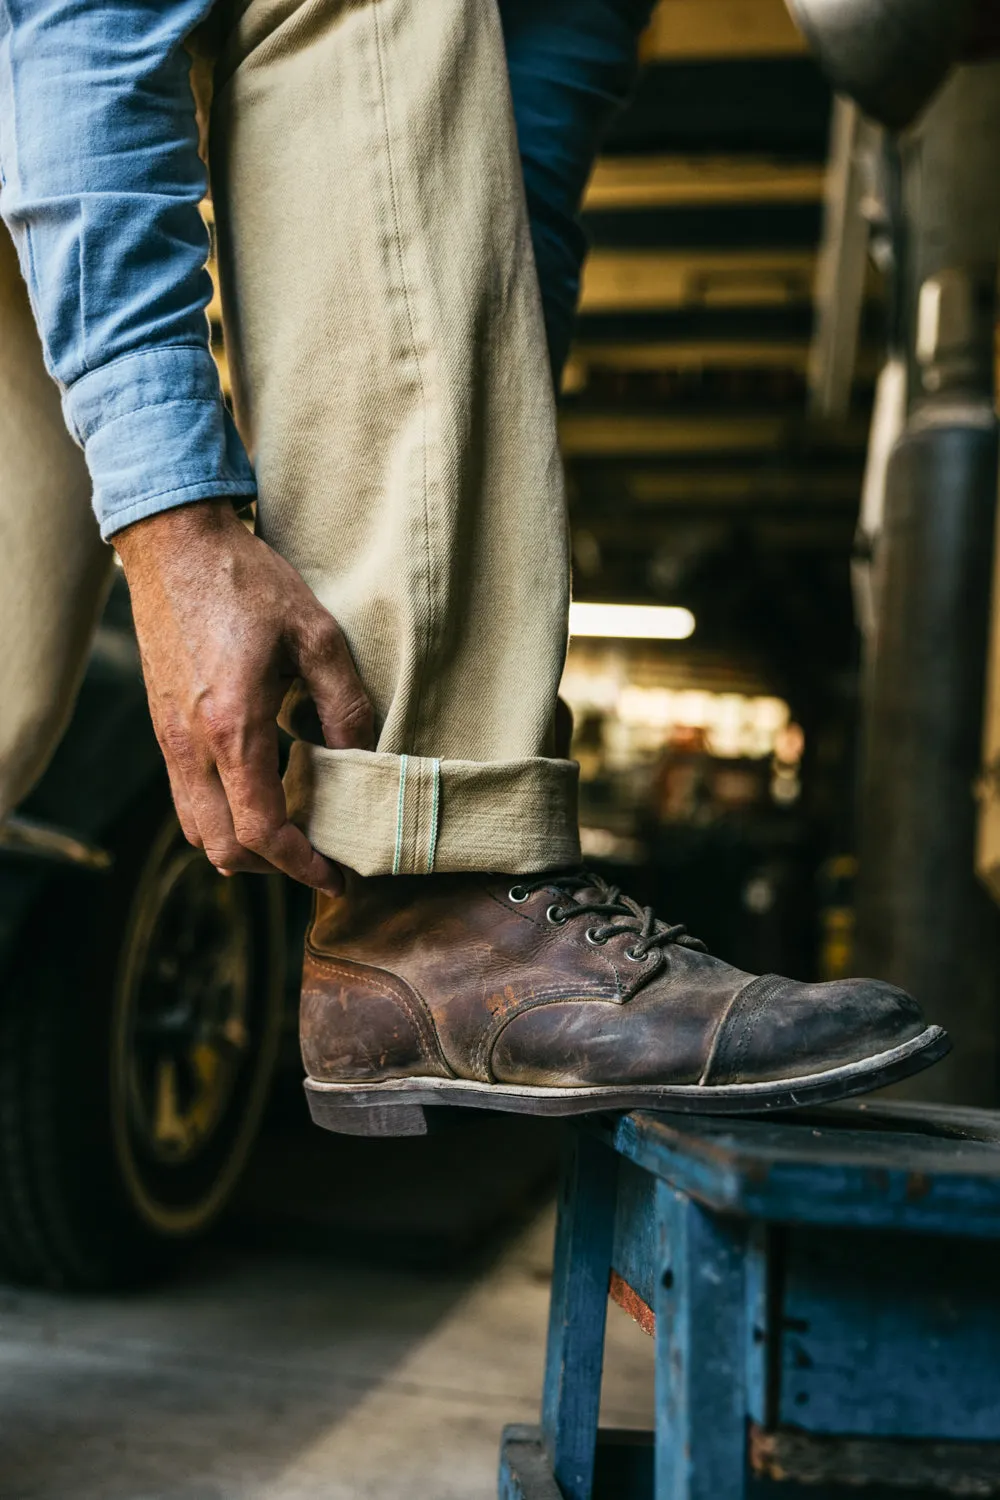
{"x":581,"y":886}
{"x":588,"y":893}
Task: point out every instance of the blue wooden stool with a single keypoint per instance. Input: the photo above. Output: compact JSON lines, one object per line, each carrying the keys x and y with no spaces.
{"x":824,"y":1291}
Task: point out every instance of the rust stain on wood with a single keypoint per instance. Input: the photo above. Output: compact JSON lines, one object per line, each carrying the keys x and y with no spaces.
{"x":629,"y":1301}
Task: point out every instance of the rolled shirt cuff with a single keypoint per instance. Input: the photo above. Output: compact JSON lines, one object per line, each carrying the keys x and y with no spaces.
{"x":413,"y":815}
{"x":156,"y":434}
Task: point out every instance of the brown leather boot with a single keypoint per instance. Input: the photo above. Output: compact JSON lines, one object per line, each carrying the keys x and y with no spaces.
{"x":558,"y":996}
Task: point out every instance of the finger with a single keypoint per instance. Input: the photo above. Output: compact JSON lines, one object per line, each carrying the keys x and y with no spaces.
{"x":221,"y":841}
{"x":326,"y":667}
{"x":210,"y":807}
{"x":256,"y":799}
{"x":184,"y":808}
{"x":199,"y":799}
{"x":175,"y":748}
{"x":182,"y":801}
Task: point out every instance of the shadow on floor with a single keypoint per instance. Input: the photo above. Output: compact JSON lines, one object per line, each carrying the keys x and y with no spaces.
{"x":439,"y":1200}
{"x":362,"y":1329}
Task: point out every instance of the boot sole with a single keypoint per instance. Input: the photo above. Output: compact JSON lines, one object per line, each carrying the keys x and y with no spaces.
{"x":398,"y":1106}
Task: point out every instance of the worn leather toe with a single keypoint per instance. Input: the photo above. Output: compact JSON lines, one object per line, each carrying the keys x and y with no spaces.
{"x":776,"y":1028}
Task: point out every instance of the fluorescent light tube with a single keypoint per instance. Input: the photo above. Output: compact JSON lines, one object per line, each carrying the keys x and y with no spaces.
{"x":643,"y":622}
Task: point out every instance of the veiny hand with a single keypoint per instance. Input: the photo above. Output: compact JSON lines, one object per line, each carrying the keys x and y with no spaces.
{"x":224,"y":626}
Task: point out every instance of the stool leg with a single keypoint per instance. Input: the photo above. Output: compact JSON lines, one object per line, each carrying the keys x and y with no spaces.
{"x":701,"y":1408}
{"x":574,"y":1357}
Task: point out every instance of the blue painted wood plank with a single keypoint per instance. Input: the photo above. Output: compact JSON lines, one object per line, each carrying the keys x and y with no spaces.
{"x":891,"y":1336}
{"x":636,"y":1242}
{"x":700,"y":1306}
{"x":760,"y":1350}
{"x":922,"y":1174}
{"x":578,"y":1308}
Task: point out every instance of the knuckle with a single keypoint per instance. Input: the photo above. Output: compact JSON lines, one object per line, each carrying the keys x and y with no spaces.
{"x":256,"y":833}
{"x":357,"y":713}
{"x":326,"y":635}
{"x":218,"y":724}
{"x":175,"y":742}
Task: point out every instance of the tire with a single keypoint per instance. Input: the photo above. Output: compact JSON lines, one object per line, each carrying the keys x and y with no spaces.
{"x":138,"y":1034}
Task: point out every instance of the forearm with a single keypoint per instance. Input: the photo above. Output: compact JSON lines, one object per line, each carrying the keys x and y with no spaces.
{"x":101,"y":186}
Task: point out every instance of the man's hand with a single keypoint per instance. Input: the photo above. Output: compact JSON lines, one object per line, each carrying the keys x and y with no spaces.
{"x":225,"y":625}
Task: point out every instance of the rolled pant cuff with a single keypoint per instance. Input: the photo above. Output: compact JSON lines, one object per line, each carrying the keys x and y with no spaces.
{"x":413,"y":815}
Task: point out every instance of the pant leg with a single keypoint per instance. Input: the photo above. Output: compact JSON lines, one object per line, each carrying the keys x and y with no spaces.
{"x":54,"y":568}
{"x":384,"y":326}
{"x":572,"y":65}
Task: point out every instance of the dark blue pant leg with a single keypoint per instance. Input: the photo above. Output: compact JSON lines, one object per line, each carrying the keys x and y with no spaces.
{"x":572,"y":65}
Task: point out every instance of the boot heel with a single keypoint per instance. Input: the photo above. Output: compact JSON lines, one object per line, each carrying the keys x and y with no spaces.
{"x":366,"y":1119}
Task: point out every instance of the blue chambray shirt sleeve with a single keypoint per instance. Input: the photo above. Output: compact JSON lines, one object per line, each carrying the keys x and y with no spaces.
{"x":100,"y":182}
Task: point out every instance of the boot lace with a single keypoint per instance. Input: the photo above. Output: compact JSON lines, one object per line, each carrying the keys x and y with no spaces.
{"x":582,"y":893}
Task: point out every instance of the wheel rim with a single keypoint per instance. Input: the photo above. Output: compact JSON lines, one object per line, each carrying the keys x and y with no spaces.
{"x":187,"y":1008}
{"x":197,"y":1013}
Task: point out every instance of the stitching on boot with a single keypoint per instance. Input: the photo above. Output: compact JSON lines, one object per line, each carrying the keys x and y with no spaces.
{"x":406,"y":998}
{"x":511,"y":912}
{"x":486,"y":1048}
{"x":743,"y":1012}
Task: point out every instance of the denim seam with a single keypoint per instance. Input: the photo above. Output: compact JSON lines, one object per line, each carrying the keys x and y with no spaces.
{"x":400,"y":809}
{"x":435,"y":815}
{"x":420,"y":676}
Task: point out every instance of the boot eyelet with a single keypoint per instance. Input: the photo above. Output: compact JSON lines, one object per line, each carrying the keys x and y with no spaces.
{"x":517,"y":893}
{"x":593,"y":938}
{"x":556,"y":916}
{"x":636,"y":958}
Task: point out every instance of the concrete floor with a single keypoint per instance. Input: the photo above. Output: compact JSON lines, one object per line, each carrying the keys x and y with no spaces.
{"x":284,"y":1376}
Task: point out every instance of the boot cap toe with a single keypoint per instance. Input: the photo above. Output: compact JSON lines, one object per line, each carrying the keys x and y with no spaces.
{"x":776,"y":1028}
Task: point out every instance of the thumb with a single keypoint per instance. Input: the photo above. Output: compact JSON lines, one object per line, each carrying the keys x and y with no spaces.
{"x":326,"y":667}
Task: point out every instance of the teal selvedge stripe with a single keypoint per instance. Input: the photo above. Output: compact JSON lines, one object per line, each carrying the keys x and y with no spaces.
{"x":400,"y":805}
{"x":435,"y":813}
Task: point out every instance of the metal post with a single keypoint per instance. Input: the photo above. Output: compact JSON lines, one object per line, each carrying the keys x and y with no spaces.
{"x":924,"y":919}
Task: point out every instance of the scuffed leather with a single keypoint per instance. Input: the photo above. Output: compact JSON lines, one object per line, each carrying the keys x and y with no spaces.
{"x":357,"y":1023}
{"x":775,"y":1023}
{"x":447,"y":976}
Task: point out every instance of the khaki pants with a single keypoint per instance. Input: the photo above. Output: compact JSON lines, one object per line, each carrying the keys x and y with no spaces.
{"x":54,"y":568}
{"x":391,"y":381}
